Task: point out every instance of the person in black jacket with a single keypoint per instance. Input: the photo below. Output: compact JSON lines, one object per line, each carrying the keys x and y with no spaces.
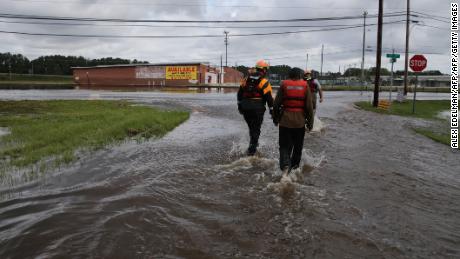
{"x":254,"y":93}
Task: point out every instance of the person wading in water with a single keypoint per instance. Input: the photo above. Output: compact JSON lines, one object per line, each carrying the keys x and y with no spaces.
{"x":293,"y":108}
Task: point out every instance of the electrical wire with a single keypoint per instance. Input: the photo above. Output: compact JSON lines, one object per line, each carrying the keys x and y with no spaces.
{"x":432,"y":15}
{"x":176,"y":26}
{"x":88,"y":19}
{"x":182,"y":36}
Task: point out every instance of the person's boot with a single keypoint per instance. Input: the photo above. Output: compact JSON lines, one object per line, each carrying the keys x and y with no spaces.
{"x":284,"y":172}
{"x":295,"y":167}
{"x":252,"y":149}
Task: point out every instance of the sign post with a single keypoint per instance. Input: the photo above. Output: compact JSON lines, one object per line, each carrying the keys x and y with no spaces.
{"x":417,"y":64}
{"x":393,"y":58}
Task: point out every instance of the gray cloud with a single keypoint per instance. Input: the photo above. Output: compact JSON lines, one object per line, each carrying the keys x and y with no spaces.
{"x":342,"y":48}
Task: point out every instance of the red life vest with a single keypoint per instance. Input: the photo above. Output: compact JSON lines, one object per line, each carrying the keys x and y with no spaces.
{"x":294,"y":95}
{"x":254,"y":86}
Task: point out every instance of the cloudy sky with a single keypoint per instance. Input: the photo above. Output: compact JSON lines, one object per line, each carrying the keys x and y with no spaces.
{"x":342,"y":48}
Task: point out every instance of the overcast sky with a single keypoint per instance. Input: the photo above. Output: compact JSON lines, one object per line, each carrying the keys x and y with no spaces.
{"x":341,"y":48}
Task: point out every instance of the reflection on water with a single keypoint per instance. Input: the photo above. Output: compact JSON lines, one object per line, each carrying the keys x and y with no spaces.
{"x":368,"y":188}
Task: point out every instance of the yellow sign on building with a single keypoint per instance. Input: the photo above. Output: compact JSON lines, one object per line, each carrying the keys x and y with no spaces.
{"x":181,"y":73}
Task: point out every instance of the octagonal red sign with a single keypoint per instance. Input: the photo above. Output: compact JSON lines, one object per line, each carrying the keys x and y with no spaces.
{"x":418,"y":63}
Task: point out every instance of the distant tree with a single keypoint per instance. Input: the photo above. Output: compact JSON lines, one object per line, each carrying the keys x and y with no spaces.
{"x":383,"y":71}
{"x":424,"y":73}
{"x":356,"y":72}
{"x":243,"y":69}
{"x":281,"y":70}
{"x":14,"y":63}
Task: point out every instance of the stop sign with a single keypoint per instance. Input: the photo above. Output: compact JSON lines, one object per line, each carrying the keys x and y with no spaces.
{"x":418,"y":63}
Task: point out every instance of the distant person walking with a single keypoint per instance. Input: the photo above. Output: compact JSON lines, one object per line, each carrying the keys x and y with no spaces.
{"x":294,"y":113}
{"x":255,"y":92}
{"x":315,"y":87}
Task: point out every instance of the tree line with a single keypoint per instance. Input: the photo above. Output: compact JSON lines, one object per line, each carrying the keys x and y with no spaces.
{"x":61,"y":65}
{"x":281,"y":72}
{"x":54,"y":64}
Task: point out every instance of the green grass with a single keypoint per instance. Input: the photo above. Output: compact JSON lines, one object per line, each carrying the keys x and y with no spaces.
{"x":43,"y":130}
{"x":384,"y":89}
{"x":426,"y":109}
{"x":35,"y":78}
{"x":26,"y":81}
{"x":441,"y":138}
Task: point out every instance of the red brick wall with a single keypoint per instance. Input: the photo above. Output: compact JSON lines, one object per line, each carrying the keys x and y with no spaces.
{"x":125,"y":77}
{"x":232,"y":75}
{"x":100,"y":77}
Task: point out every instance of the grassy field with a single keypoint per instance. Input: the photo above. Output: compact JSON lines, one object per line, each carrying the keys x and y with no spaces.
{"x":384,"y":89}
{"x":423,"y":109}
{"x":426,"y":109}
{"x":25,"y":81}
{"x":35,"y":78}
{"x":439,"y":137}
{"x":44,"y":130}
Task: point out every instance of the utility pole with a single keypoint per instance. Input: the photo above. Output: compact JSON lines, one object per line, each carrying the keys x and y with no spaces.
{"x":322,"y":56}
{"x":392,"y":63}
{"x":221,"y":71}
{"x":306,"y":64}
{"x":406,"y":64}
{"x":9,"y":68}
{"x":364,"y":49}
{"x":226,"y":46}
{"x":379,"y":55}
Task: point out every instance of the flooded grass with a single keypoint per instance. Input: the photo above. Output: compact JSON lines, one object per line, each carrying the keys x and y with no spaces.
{"x":384,"y":88}
{"x":35,"y":78}
{"x":441,"y":138}
{"x":425,"y":109}
{"x":41,"y":130}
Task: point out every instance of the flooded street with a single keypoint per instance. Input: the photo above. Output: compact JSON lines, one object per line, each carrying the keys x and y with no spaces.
{"x":369,"y":188}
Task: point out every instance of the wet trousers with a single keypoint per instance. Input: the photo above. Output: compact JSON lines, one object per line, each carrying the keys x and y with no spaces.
{"x":291,"y":144}
{"x":254,"y":119}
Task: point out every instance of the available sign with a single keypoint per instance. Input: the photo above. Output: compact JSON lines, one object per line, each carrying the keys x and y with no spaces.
{"x":181,"y":73}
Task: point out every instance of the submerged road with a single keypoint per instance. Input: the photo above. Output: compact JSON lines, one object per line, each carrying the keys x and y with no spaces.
{"x":370,"y":188}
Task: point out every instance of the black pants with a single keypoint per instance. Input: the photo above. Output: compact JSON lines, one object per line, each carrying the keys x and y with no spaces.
{"x":314,"y":100}
{"x":254,"y":119}
{"x":291,"y":144}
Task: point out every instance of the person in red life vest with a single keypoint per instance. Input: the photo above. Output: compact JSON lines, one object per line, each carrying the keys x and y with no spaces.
{"x":255,"y":92}
{"x":293,"y":108}
{"x":315,"y":87}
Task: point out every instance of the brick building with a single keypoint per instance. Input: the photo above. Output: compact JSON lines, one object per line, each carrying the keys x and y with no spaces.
{"x":153,"y":75}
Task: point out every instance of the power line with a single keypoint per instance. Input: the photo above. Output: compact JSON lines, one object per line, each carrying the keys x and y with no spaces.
{"x":192,"y":4}
{"x":198,"y":4}
{"x":424,"y":25}
{"x":175,"y":26}
{"x":180,"y":36}
{"x":88,"y":19}
{"x":432,"y":15}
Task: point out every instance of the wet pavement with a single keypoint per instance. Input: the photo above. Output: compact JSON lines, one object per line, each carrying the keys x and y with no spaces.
{"x":369,"y":188}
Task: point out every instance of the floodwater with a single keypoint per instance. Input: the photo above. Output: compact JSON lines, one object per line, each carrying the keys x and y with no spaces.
{"x":369,"y":188}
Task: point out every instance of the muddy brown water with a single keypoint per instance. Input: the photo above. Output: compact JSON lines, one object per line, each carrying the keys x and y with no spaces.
{"x":369,"y":188}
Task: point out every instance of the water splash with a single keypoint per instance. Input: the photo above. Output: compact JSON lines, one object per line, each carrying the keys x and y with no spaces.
{"x":312,"y":160}
{"x":318,"y":126}
{"x":288,"y":184}
{"x":238,"y":149}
